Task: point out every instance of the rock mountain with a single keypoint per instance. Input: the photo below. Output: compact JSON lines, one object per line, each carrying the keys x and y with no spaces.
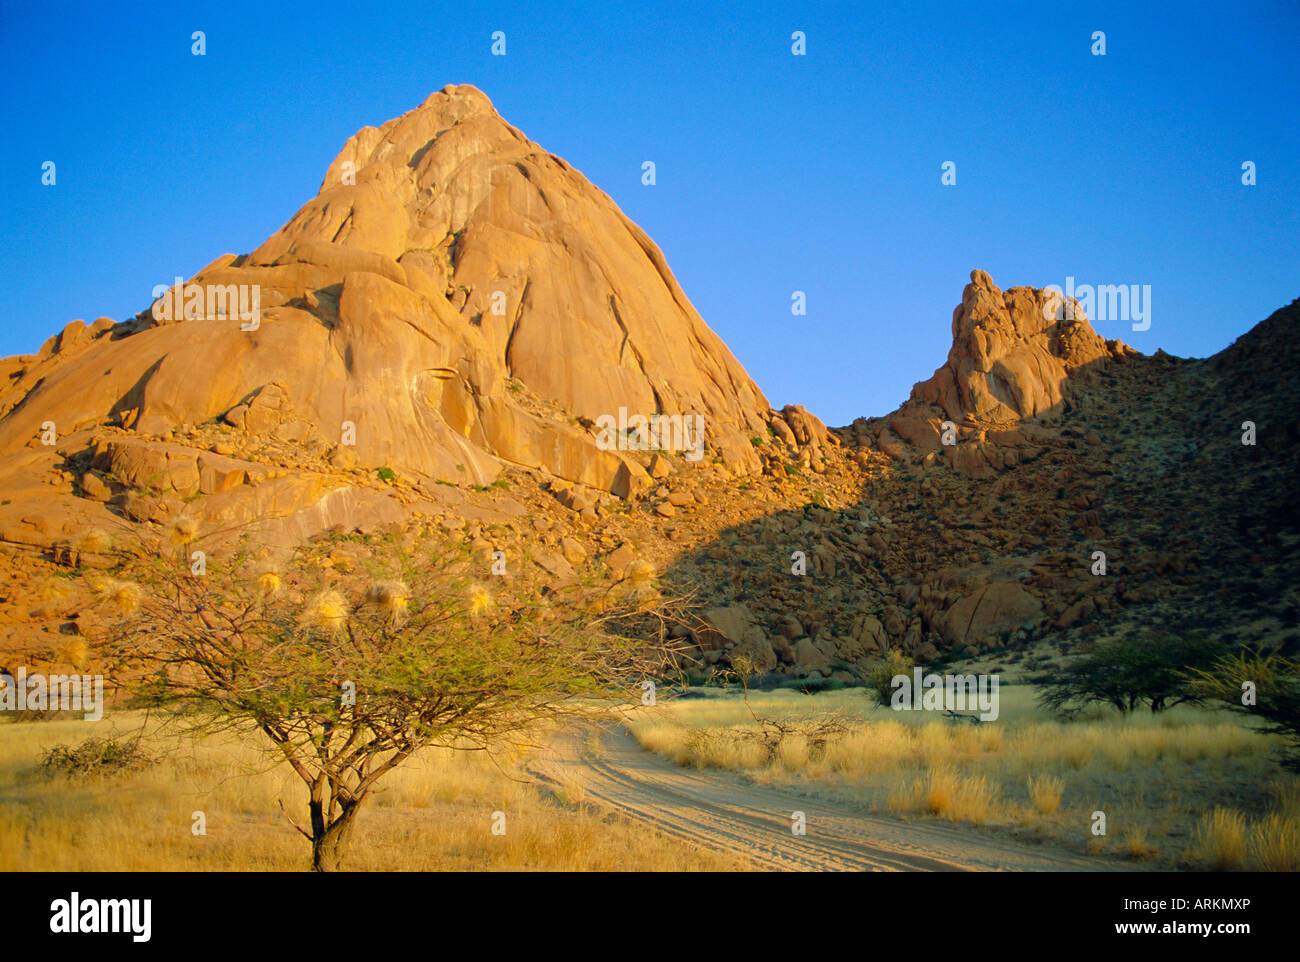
{"x":462,"y":307}
{"x":462,"y":297}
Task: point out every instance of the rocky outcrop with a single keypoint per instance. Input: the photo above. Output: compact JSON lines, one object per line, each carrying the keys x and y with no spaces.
{"x":1015,"y":358}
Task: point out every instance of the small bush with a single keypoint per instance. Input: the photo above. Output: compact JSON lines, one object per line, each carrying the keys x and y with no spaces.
{"x":881,"y":677}
{"x":95,"y":757}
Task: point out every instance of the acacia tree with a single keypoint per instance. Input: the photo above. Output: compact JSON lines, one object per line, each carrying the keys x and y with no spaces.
{"x":1129,"y":672}
{"x":350,"y":680}
{"x":1263,"y":685}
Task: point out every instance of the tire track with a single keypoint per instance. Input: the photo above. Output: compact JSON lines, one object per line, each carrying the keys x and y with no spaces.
{"x":720,"y":811}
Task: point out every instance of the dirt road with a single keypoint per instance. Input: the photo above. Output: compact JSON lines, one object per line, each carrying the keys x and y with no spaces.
{"x":724,"y":812}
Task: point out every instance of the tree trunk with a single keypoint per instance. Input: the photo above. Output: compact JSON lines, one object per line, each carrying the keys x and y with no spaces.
{"x":329,"y":842}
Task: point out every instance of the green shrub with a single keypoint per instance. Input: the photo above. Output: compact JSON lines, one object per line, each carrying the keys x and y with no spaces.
{"x":881,"y":675}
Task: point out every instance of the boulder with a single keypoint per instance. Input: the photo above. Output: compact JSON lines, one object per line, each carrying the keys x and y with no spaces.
{"x":726,"y":625}
{"x":755,"y":646}
{"x":867,"y":635}
{"x":808,"y":655}
{"x":988,"y":612}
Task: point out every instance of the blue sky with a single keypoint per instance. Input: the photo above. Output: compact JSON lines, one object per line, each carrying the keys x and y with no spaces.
{"x":775,"y":173}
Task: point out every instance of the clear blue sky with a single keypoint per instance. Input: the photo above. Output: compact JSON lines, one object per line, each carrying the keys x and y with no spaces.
{"x":776,"y":173}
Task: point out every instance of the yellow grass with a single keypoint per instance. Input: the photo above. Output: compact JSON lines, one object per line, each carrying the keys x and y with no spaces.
{"x":1221,"y":840}
{"x":1275,"y":844}
{"x":944,"y":793}
{"x":1045,"y":792}
{"x":433,"y":813}
{"x":1154,"y":774}
{"x":268,"y":584}
{"x":1136,"y":845}
{"x":794,"y":753}
{"x":1227,"y":841}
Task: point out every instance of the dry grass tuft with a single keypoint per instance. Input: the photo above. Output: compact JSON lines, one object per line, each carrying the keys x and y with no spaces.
{"x":1220,"y":842}
{"x":55,"y":590}
{"x":944,"y":793}
{"x":1045,"y":792}
{"x":1136,"y":846}
{"x":1275,"y":843}
{"x":480,"y":600}
{"x":639,"y":572}
{"x":74,"y":652}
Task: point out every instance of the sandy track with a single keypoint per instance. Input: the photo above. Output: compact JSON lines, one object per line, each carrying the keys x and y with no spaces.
{"x":726,"y":813}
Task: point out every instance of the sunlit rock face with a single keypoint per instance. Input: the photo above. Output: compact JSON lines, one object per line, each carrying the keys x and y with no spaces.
{"x":455,"y":298}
